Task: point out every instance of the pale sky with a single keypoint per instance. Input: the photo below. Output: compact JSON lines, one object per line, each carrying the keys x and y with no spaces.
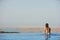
{"x":29,"y":12}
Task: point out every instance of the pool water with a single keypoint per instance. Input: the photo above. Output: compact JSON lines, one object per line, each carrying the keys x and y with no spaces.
{"x":28,"y":36}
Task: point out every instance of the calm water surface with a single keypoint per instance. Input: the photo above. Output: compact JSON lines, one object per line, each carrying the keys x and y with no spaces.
{"x":28,"y":36}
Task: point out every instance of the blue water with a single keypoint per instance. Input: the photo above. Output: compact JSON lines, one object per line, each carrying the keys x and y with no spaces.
{"x":28,"y":36}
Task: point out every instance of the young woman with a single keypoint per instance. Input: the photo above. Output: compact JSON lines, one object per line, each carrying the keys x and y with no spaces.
{"x":47,"y":31}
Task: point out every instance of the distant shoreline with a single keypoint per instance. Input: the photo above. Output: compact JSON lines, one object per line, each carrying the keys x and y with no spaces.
{"x":9,"y":32}
{"x":35,"y":30}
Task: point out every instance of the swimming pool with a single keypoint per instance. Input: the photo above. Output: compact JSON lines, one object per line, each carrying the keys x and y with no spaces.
{"x":28,"y":36}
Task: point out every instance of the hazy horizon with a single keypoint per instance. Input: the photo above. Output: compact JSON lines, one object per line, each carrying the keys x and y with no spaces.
{"x":17,"y":13}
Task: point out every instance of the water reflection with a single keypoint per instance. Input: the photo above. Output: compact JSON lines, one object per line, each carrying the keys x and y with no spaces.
{"x":47,"y":36}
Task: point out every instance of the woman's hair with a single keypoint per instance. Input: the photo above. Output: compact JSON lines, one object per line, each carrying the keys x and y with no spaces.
{"x":47,"y":25}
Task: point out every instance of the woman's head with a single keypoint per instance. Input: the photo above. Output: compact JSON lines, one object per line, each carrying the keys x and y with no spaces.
{"x":47,"y":25}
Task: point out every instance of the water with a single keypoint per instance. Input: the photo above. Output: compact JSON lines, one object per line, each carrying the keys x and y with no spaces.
{"x":28,"y":36}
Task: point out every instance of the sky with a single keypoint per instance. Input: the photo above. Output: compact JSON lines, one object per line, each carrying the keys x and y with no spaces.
{"x":29,"y":13}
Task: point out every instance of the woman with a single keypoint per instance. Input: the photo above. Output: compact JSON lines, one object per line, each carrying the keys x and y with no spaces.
{"x":47,"y":31}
